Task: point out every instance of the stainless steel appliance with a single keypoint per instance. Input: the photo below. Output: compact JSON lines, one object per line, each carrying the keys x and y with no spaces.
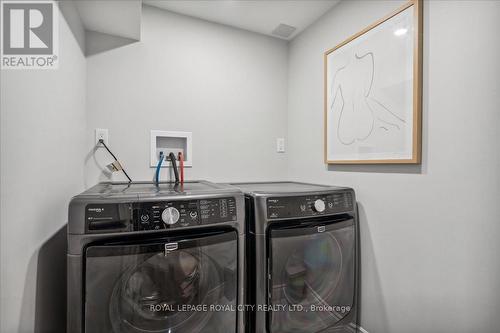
{"x":302,"y":257}
{"x":146,"y":257}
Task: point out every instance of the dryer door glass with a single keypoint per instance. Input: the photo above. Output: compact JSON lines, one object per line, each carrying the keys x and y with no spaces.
{"x":311,"y":283}
{"x":163,"y":285}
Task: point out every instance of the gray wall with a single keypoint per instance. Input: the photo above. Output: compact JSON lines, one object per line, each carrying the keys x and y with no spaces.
{"x":227,"y":86}
{"x":429,"y":233}
{"x":42,"y":149}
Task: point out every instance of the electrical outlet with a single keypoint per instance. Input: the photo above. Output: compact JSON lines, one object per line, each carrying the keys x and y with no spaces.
{"x":101,"y":134}
{"x":280,"y":145}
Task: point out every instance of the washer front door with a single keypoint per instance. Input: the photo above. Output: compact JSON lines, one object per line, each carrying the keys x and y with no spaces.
{"x":164,"y":285}
{"x":311,"y":285}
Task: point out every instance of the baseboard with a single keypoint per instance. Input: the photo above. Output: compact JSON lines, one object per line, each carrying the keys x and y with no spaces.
{"x":362,"y":330}
{"x":357,"y":328}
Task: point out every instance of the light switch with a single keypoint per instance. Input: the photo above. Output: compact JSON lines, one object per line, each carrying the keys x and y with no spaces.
{"x":280,"y":145}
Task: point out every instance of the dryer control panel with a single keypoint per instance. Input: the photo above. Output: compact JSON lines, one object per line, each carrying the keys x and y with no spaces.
{"x":309,"y":206}
{"x":159,"y":215}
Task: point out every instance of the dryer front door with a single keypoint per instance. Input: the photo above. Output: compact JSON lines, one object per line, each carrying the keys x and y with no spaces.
{"x":181,"y":285}
{"x":311,"y":286}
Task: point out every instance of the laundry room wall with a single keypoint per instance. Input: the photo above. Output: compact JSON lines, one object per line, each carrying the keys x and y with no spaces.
{"x":42,"y":148}
{"x":226,"y":86}
{"x":429,"y":233}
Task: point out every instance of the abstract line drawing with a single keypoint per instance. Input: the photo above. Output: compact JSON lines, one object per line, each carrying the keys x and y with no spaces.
{"x":360,"y":112}
{"x":373,"y":92}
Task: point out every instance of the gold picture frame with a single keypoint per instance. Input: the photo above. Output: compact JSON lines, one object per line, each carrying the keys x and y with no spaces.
{"x":412,"y":152}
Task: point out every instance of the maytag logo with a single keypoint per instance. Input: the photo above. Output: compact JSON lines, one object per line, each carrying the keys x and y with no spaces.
{"x":29,"y":35}
{"x":170,"y":247}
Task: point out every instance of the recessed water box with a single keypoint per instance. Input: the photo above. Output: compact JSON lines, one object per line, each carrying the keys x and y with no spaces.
{"x":171,"y":141}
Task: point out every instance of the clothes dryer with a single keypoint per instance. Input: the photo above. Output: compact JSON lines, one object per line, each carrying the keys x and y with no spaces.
{"x":302,"y":258}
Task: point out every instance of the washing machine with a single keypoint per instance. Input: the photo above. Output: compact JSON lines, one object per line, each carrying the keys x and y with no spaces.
{"x":302,"y":258}
{"x":146,"y":257}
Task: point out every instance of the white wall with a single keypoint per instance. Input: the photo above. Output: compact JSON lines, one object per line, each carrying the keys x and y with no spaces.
{"x":227,"y":86}
{"x":429,"y":233}
{"x":42,"y":149}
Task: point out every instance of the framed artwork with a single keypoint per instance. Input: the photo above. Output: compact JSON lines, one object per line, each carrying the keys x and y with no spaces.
{"x":373,"y":92}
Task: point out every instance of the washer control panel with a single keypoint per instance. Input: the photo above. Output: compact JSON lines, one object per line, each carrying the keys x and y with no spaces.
{"x":310,"y":205}
{"x":138,"y":216}
{"x":175,"y":214}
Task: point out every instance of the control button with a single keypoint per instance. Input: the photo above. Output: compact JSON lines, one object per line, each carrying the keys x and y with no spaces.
{"x":319,"y":206}
{"x":330,"y":205}
{"x":170,"y":215}
{"x":193,"y":215}
{"x":144,"y":218}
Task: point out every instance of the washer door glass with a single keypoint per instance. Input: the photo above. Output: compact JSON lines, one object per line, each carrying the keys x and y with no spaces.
{"x":312,"y":282}
{"x":164,"y":285}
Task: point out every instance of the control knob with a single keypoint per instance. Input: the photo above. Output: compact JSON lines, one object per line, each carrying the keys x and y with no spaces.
{"x":170,"y":215}
{"x":319,"y":206}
